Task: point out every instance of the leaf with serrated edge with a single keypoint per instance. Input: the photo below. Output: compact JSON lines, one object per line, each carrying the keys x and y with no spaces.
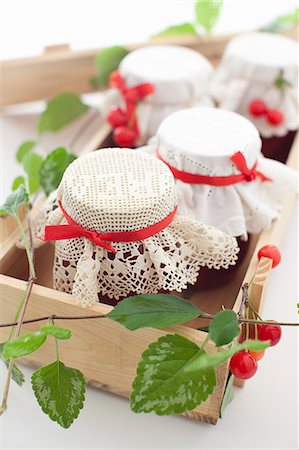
{"x":58,"y":332}
{"x":153,"y":310}
{"x":60,"y":392}
{"x":162,"y":385}
{"x":224,"y":327}
{"x":204,"y":361}
{"x":207,"y":13}
{"x":14,"y":200}
{"x":60,"y":111}
{"x":53,"y":167}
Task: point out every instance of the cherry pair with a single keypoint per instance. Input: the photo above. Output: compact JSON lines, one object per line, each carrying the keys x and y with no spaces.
{"x":123,"y":135}
{"x":258,"y":108}
{"x":243,"y":365}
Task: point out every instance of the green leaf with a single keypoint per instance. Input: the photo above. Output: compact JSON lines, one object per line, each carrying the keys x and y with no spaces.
{"x":52,"y":168}
{"x":107,"y":61}
{"x":228,"y":394}
{"x":282,"y":23}
{"x":60,"y":111}
{"x":30,"y":342}
{"x":17,"y":182}
{"x":209,"y":360}
{"x":177,"y":30}
{"x":207,"y":13}
{"x":153,"y":310}
{"x":14,"y":200}
{"x":60,"y":392}
{"x":24,"y":149}
{"x":16,"y":374}
{"x":31,"y":163}
{"x":224,"y":327}
{"x":58,"y":332}
{"x":162,"y":385}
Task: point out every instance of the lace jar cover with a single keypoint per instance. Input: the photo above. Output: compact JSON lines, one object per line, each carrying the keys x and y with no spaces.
{"x":211,"y":143}
{"x":264,"y":67}
{"x":179,"y":76}
{"x":122,"y":191}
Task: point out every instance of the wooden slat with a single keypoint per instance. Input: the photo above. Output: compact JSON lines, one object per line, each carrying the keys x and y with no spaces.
{"x":44,"y":76}
{"x":103,"y":350}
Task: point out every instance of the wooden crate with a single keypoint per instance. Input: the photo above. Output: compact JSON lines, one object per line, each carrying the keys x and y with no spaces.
{"x":59,"y":69}
{"x":103,"y":350}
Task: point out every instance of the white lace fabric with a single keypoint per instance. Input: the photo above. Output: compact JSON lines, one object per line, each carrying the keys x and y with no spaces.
{"x":250,"y":65}
{"x":180,"y":77}
{"x":201,"y":141}
{"x":138,"y":192}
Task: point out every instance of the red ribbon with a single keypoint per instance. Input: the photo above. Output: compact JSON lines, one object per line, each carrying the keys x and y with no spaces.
{"x":72,"y":230}
{"x":239,"y":161}
{"x":131,"y":96}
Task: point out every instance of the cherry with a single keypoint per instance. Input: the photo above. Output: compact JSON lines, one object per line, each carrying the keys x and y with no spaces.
{"x":124,"y":136}
{"x":243,"y":365}
{"x":274,"y":116}
{"x":117,"y":117}
{"x":272,"y":252}
{"x":257,"y":355}
{"x":257,"y":107}
{"x":270,"y":333}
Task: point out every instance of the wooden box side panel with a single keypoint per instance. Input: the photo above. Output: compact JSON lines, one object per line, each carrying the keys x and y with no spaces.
{"x":103,"y":350}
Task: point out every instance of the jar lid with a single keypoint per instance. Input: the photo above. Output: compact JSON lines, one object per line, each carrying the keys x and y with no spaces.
{"x":262,"y":56}
{"x":178,"y":74}
{"x":116,"y":190}
{"x":202,"y":140}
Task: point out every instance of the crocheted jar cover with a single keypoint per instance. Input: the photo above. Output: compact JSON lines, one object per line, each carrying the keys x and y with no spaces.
{"x":121,"y":190}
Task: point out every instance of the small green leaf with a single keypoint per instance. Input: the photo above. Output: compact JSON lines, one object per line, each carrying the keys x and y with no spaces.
{"x":228,"y":394}
{"x":25,"y":148}
{"x":31,"y":163}
{"x":209,"y":360}
{"x":107,"y":61}
{"x":60,"y":392}
{"x":177,"y":30}
{"x":282,"y":23}
{"x":14,"y":200}
{"x":207,"y":13}
{"x":17,"y":182}
{"x":224,"y":327}
{"x":52,"y":168}
{"x":162,"y":385}
{"x":58,"y":332}
{"x":23,"y":345}
{"x":153,"y":310}
{"x":16,"y":374}
{"x":30,"y":342}
{"x":60,"y":111}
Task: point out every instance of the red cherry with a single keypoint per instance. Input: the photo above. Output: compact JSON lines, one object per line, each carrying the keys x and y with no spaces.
{"x":272,"y":252}
{"x":257,"y":355}
{"x":124,"y":136}
{"x":243,"y":365}
{"x":257,"y":108}
{"x":274,"y":116}
{"x":117,"y":117}
{"x":270,"y":333}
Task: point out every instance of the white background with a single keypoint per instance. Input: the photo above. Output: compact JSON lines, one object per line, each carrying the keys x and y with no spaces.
{"x":264,"y":415}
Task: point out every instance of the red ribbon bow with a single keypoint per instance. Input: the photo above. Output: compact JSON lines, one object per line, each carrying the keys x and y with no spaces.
{"x":239,"y":161}
{"x":131,"y":97}
{"x":72,"y":230}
